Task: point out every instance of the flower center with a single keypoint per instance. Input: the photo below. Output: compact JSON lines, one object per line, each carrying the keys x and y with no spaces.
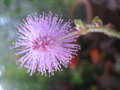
{"x":42,"y":44}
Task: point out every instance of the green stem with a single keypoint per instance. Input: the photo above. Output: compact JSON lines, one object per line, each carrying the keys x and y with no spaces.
{"x":71,"y":35}
{"x":106,"y":31}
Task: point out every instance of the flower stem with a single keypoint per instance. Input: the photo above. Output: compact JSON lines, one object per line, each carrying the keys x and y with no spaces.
{"x":107,"y":31}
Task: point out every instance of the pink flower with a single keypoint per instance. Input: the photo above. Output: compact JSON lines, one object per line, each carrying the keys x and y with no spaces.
{"x":41,"y":44}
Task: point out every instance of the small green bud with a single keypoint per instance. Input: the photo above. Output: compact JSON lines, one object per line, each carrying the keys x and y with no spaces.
{"x":79,"y":23}
{"x":97,"y":21}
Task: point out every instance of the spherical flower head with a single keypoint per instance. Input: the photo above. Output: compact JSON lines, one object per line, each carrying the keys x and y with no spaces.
{"x":41,"y":45}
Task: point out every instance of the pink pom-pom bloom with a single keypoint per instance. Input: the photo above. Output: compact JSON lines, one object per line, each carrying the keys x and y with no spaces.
{"x":41,"y":44}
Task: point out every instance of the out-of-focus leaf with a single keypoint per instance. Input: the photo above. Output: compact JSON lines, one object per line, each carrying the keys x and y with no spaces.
{"x":117,"y":65}
{"x":7,"y":2}
{"x":93,"y":88}
{"x":77,"y":78}
{"x":18,"y":9}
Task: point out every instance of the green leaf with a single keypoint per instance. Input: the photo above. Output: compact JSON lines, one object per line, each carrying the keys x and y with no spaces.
{"x":79,"y":23}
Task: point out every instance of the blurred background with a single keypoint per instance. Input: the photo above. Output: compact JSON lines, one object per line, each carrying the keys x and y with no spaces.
{"x":97,"y":66}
